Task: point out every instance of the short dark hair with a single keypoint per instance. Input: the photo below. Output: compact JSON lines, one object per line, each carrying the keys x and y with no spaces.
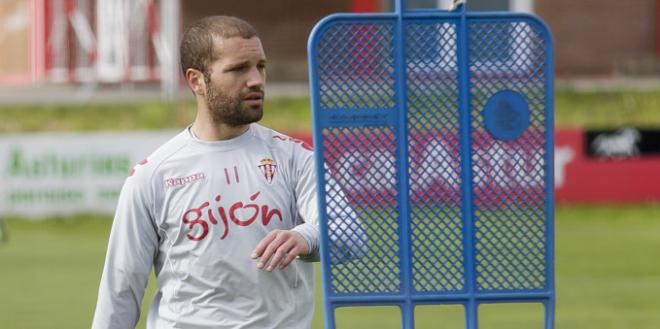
{"x":196,"y":49}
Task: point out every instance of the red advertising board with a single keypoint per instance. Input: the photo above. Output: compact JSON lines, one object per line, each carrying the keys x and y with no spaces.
{"x":583,"y":178}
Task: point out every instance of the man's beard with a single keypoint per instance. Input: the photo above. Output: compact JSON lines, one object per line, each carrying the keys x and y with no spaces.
{"x":230,"y":110}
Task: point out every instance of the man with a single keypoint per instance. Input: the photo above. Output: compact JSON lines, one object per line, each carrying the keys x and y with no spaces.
{"x":226,"y":211}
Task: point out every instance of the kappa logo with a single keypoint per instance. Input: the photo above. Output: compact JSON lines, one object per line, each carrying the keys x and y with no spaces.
{"x":179,"y":181}
{"x":267,"y":166}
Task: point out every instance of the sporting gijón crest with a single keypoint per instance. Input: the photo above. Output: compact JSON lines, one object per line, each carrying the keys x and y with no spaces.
{"x":268,"y":167}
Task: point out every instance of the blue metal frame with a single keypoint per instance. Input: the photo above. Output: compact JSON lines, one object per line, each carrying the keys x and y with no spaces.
{"x":406,"y":298}
{"x":471,"y":318}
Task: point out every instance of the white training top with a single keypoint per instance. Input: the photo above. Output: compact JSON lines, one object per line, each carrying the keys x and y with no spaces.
{"x":195,"y":210}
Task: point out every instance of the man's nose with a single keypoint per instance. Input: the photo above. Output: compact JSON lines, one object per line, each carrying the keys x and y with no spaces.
{"x":256,"y":77}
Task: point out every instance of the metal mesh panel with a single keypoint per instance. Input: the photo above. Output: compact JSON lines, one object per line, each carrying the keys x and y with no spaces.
{"x":434,"y":170}
{"x":356,"y":66}
{"x":508,"y":175}
{"x":433,"y":128}
{"x":362,"y":163}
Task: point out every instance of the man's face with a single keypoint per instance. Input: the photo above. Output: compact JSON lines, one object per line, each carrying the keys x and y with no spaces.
{"x":235,"y":82}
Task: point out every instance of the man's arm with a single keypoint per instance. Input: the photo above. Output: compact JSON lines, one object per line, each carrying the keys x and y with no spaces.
{"x":348,"y":237}
{"x":131,"y":250}
{"x":307,"y":204}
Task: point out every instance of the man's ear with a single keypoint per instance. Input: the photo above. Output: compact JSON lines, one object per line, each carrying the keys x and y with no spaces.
{"x":195,"y":80}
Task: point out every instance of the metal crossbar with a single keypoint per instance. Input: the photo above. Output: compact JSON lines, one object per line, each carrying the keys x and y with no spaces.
{"x":433,"y":135}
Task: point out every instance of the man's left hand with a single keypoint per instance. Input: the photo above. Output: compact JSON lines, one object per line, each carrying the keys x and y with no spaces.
{"x":279,"y":248}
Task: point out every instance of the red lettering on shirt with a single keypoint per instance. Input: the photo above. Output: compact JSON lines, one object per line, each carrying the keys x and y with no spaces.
{"x":197,"y":221}
{"x":223,"y":217}
{"x":239,"y":205}
{"x":228,"y":177}
{"x":240,"y":213}
{"x":180,"y":181}
{"x":268,"y":214}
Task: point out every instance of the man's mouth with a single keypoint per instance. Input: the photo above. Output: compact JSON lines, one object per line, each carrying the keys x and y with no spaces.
{"x":254,"y":96}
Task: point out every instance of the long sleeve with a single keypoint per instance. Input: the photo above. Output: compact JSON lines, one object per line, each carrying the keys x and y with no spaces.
{"x":131,"y":251}
{"x":306,"y":202}
{"x":349,"y":240}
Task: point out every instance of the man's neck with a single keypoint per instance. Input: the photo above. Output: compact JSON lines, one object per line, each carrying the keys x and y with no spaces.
{"x":207,"y":130}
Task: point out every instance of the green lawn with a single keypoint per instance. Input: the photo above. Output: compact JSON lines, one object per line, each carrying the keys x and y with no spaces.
{"x":607,"y":109}
{"x":608,"y":275}
{"x":285,"y":114}
{"x":572,"y":109}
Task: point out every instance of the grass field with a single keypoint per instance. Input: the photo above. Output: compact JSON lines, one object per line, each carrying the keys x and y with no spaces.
{"x":572,"y":109}
{"x":285,"y":114}
{"x":608,"y":275}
